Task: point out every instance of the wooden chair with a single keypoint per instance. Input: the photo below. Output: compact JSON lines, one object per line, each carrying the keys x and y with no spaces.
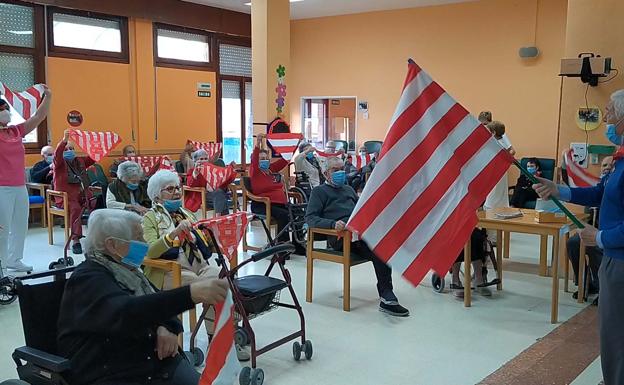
{"x":344,"y":257}
{"x":249,"y":197}
{"x":41,"y":189}
{"x":174,"y":268}
{"x":202,"y":191}
{"x":55,"y":211}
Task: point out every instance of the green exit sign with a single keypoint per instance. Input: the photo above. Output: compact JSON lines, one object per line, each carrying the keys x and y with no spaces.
{"x":203,"y":94}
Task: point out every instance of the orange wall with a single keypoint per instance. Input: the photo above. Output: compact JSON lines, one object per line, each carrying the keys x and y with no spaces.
{"x":132,"y":97}
{"x":592,"y":26}
{"x":471,"y":49}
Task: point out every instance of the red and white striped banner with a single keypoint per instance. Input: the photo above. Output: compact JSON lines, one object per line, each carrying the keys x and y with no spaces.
{"x":228,"y":230}
{"x":147,"y":163}
{"x":95,"y":144}
{"x":217,"y":177}
{"x":24,"y":103}
{"x":327,"y":154}
{"x":211,"y":148}
{"x":437,"y":165}
{"x":577,"y":176}
{"x":284,"y":143}
{"x":222,"y":366}
{"x":361,"y":160}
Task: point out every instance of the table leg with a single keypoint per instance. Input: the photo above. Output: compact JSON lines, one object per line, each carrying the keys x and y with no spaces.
{"x":506,"y":243}
{"x":543,"y":269}
{"x":467,"y":274}
{"x":499,"y":265}
{"x":554,"y":309}
{"x":566,"y":263}
{"x":581,"y":274}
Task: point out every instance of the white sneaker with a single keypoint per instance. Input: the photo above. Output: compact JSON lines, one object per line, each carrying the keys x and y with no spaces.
{"x":242,"y":354}
{"x":20,"y":267}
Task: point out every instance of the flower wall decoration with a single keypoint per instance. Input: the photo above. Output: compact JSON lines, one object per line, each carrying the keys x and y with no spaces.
{"x":280,"y":89}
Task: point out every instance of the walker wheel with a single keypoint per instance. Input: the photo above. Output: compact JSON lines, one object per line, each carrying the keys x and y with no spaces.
{"x":70,"y":261}
{"x":257,"y":376}
{"x":307,"y":348}
{"x":438,"y":283}
{"x":297,"y":350}
{"x":244,"y":377}
{"x":52,"y":265}
{"x":240,"y":337}
{"x":198,"y":357}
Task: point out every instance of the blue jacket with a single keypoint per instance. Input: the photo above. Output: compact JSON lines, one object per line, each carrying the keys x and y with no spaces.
{"x":609,"y":196}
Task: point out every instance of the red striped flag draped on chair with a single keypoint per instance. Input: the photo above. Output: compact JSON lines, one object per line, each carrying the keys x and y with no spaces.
{"x":284,"y":143}
{"x":217,"y":177}
{"x":360,"y":161}
{"x":577,"y":176}
{"x":147,"y":163}
{"x":436,"y":166}
{"x":24,"y":103}
{"x":211,"y":147}
{"x":95,"y":144}
{"x":222,"y":366}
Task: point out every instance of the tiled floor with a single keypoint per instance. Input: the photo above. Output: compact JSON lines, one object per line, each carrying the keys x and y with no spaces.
{"x":442,"y":343}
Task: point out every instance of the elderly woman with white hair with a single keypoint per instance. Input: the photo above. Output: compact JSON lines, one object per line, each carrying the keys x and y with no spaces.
{"x":129,"y":190}
{"x":168,"y":229}
{"x":194,"y":178}
{"x":609,"y":236}
{"x":114,"y":326}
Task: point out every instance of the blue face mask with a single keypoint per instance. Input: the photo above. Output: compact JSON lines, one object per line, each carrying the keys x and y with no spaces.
{"x":172,"y":205}
{"x":136,"y":254}
{"x":132,"y":186}
{"x":69,"y":155}
{"x":264,"y":164}
{"x":338,"y":177}
{"x":310,"y":155}
{"x":613,"y":136}
{"x":49,"y":159}
{"x":532,"y":169}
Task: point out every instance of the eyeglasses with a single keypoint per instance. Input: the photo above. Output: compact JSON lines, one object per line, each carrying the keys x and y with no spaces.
{"x":172,"y":189}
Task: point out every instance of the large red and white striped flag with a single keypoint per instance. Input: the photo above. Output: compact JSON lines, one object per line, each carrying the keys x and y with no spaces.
{"x":577,"y":176}
{"x":222,"y":366}
{"x":217,"y":177}
{"x":211,"y":147}
{"x":148,"y":163}
{"x":436,"y":166}
{"x":284,"y":143}
{"x":24,"y":103}
{"x":96,"y":144}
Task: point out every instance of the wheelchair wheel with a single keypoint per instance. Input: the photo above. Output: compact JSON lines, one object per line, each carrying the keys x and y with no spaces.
{"x":244,"y":377}
{"x":257,"y":376}
{"x":14,"y":382}
{"x":437,"y":283}
{"x":297,"y":348}
{"x":307,"y":349}
{"x":7,"y":296}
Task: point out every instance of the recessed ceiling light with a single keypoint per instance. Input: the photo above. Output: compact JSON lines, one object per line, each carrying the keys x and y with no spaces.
{"x":292,"y":1}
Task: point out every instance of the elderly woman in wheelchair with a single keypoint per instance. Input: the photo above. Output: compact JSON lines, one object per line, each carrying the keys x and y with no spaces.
{"x":114,"y":326}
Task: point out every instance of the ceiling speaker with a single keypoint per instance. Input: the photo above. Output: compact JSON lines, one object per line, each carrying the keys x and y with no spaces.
{"x":528,"y":52}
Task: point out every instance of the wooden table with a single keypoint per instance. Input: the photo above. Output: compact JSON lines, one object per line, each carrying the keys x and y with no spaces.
{"x":525,"y":224}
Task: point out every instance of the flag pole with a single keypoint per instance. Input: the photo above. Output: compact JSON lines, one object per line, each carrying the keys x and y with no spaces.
{"x":565,"y":210}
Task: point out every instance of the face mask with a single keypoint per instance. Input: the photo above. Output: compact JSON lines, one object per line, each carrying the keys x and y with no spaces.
{"x":5,"y":117}
{"x":264,"y":164}
{"x":132,"y":186}
{"x":532,"y":170}
{"x":172,"y":205}
{"x":338,"y":177}
{"x":69,"y":154}
{"x":310,"y":155}
{"x":136,"y":254}
{"x":613,"y":136}
{"x":49,"y":159}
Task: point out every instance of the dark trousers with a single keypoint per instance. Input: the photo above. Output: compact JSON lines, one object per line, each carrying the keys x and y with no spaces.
{"x":594,"y":254}
{"x":219,"y":201}
{"x":173,"y":371}
{"x":279,"y":213}
{"x":611,"y":312}
{"x":521,"y":196}
{"x":75,"y":218}
{"x":382,"y":271}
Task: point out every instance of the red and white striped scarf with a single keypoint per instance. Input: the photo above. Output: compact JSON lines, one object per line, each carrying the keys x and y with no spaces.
{"x":578,"y":176}
{"x":147,"y":163}
{"x":217,"y":177}
{"x":211,"y":148}
{"x":95,"y":144}
{"x":24,"y":103}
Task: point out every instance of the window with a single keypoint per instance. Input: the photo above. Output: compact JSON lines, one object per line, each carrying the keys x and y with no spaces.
{"x":22,"y":56}
{"x":86,"y":35}
{"x":182,"y":47}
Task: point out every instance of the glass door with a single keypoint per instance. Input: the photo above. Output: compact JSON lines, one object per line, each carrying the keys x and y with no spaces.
{"x":236,"y":120}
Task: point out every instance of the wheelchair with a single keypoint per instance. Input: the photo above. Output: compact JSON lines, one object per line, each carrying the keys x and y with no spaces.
{"x":38,"y":362}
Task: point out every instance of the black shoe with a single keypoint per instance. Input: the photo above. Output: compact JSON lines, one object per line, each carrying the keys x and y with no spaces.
{"x":595,"y":302}
{"x":393,"y":308}
{"x":77,"y":248}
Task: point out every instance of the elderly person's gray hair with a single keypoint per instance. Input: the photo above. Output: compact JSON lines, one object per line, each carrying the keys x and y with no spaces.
{"x":303,"y":145}
{"x":128,"y":170}
{"x":45,"y":149}
{"x":110,"y":223}
{"x":198,"y":154}
{"x":618,"y":104}
{"x":334,"y":161}
{"x":160,"y":180}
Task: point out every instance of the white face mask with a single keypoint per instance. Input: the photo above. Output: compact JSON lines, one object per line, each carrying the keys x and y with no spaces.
{"x":5,"y":117}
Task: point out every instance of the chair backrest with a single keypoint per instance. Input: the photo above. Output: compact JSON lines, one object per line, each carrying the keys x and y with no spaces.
{"x":247,"y":184}
{"x":547,"y":166}
{"x":179,"y":167}
{"x":27,"y":173}
{"x":97,"y":176}
{"x":373,"y":146}
{"x":219,"y":162}
{"x":341,"y":144}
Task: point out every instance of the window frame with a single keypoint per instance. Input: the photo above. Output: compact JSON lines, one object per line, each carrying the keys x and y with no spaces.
{"x":38,"y":54}
{"x":212,"y":64}
{"x":88,"y":54}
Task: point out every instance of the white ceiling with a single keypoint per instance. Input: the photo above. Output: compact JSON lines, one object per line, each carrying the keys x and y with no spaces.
{"x":318,"y":8}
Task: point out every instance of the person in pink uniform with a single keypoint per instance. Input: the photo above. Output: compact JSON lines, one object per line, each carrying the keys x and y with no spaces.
{"x":14,"y":201}
{"x":70,"y":176}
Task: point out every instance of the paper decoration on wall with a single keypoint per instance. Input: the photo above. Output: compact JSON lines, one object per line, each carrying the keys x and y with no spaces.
{"x":148,"y":163}
{"x":217,"y":177}
{"x":95,"y":144}
{"x":284,"y":144}
{"x":280,"y":89}
{"x":211,"y":148}
{"x":24,"y":103}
